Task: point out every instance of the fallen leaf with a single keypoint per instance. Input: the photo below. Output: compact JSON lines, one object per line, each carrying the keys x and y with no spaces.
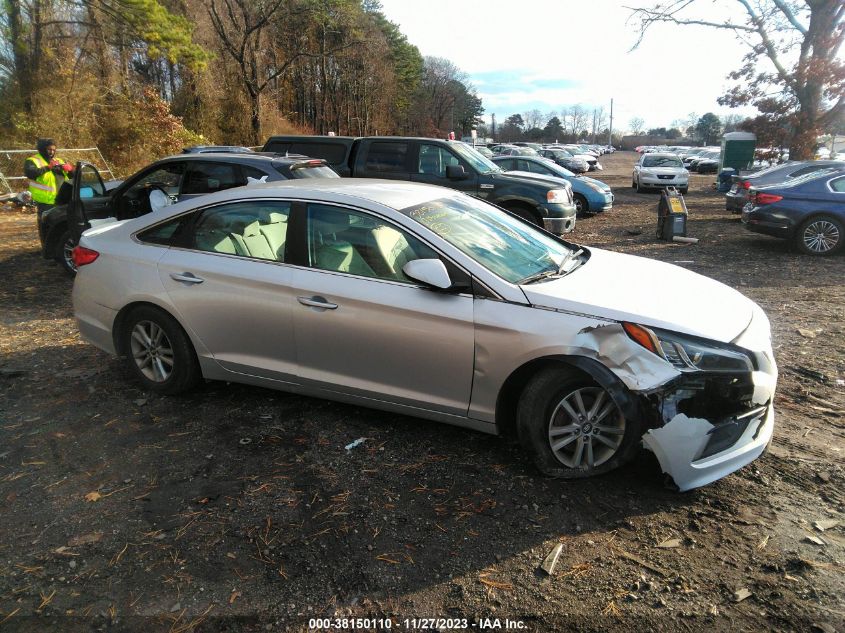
{"x":670,"y":543}
{"x":93,"y":537}
{"x":825,"y":524}
{"x":93,"y":496}
{"x":235,"y":595}
{"x":815,"y":540}
{"x":741,"y":594}
{"x":806,"y":333}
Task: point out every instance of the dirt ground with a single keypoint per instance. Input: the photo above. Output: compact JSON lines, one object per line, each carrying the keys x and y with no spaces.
{"x":239,"y":509}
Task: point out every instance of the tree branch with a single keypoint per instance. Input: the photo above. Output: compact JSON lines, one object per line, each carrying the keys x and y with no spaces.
{"x":788,"y":13}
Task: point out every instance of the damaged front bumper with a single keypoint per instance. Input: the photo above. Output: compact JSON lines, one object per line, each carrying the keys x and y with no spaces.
{"x":707,"y":426}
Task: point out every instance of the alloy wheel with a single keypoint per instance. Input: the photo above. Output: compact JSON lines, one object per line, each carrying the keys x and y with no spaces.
{"x":586,"y":428}
{"x":821,"y":236}
{"x":152,"y":351}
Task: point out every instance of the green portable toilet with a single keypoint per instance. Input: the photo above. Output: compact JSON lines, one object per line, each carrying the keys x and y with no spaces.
{"x":737,"y":151}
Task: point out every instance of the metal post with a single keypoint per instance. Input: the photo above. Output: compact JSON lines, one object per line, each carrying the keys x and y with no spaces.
{"x":610,"y":131}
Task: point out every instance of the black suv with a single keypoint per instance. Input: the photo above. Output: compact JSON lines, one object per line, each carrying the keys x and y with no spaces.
{"x":166,"y":181}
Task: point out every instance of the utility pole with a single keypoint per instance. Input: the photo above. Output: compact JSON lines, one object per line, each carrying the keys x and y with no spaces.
{"x":610,"y":131}
{"x":493,"y":126}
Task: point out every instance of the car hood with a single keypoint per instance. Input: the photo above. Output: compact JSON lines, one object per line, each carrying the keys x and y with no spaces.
{"x":667,"y":171}
{"x":533,"y":179}
{"x":628,"y":288}
{"x":593,"y":181}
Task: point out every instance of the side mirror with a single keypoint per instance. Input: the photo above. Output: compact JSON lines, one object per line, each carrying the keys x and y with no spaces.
{"x":430,"y":272}
{"x":86,"y":192}
{"x":455,"y":172}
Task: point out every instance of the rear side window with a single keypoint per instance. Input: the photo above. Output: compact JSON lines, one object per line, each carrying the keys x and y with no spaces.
{"x":255,"y":229}
{"x":211,"y":177}
{"x":333,"y":153}
{"x":162,"y":234}
{"x":838,"y":185}
{"x":388,"y":157}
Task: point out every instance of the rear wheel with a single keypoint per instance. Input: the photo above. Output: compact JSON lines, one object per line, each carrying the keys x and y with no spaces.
{"x":158,"y":352}
{"x":639,"y":187}
{"x":66,"y":244}
{"x":571,"y":426}
{"x":820,"y":235}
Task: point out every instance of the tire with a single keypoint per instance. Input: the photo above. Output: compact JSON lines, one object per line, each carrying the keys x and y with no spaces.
{"x":683,"y":190}
{"x":64,"y":246}
{"x":550,"y":403}
{"x":582,"y":207}
{"x":820,"y":235}
{"x":158,"y":352}
{"x":525,"y":214}
{"x":639,"y":187}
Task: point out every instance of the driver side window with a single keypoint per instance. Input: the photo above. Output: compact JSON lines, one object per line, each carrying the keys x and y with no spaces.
{"x":135,"y":201}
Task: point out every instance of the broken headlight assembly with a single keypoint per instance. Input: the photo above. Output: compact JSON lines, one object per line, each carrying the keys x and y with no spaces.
{"x":688,"y":354}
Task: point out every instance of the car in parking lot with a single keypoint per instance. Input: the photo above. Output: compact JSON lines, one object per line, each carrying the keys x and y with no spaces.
{"x":566,"y":159}
{"x":809,"y":211}
{"x":590,"y":195}
{"x":737,"y":197}
{"x":659,"y":170}
{"x":167,"y":180}
{"x":429,"y":302}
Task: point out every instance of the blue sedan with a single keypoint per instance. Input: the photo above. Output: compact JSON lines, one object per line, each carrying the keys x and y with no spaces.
{"x":810,"y":211}
{"x":591,"y":195}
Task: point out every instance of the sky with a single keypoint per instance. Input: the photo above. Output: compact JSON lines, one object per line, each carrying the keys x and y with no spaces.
{"x":552,"y":54}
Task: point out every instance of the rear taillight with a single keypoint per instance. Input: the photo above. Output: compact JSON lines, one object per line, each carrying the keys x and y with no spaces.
{"x":745,"y":184}
{"x":766,"y":198}
{"x":83,"y":256}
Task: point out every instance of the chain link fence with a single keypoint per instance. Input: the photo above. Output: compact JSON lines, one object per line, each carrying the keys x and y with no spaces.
{"x":12,"y":160}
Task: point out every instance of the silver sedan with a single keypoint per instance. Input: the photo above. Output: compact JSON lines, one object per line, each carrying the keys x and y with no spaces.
{"x":425,"y":301}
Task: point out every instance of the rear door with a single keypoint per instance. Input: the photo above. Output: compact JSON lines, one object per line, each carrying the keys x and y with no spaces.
{"x":391,"y":159}
{"x":228,"y":280}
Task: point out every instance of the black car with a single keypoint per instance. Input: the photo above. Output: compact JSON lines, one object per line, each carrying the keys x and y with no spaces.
{"x":216,"y":149}
{"x":166,"y":181}
{"x":737,"y":197}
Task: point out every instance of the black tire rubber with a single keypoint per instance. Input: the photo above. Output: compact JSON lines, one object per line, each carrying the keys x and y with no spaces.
{"x":638,"y":187}
{"x":62,"y":243}
{"x":534,"y":410}
{"x":683,"y":190}
{"x":525,"y":214}
{"x":799,"y":235}
{"x":185,"y":373}
{"x":582,"y":207}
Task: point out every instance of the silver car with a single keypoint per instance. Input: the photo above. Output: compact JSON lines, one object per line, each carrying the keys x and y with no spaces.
{"x":660,"y":170}
{"x":426,"y":301}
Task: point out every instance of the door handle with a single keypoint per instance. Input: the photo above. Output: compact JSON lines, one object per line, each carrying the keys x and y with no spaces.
{"x":189,"y":278}
{"x":317,"y":302}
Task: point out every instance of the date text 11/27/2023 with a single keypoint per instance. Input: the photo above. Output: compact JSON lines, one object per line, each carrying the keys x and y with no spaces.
{"x":415,"y":624}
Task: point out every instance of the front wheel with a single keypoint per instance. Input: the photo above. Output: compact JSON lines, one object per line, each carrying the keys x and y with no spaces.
{"x":65,"y":257}
{"x":158,"y":352}
{"x":582,"y":207}
{"x":639,"y":187}
{"x":525,"y":214}
{"x":571,"y":426}
{"x":820,"y":235}
{"x":684,"y":190}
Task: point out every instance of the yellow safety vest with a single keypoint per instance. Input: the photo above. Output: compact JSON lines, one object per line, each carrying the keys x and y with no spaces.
{"x":44,"y":188}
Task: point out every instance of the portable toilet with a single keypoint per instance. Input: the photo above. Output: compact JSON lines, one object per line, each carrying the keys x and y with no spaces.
{"x":737,"y":151}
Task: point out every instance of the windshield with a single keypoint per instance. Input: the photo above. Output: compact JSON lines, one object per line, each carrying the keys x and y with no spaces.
{"x":662,"y":161}
{"x":477,"y":161}
{"x":500,"y":242}
{"x":557,"y":169}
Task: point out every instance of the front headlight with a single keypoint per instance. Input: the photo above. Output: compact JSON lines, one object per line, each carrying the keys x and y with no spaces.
{"x":557,"y":196}
{"x":594,"y":187}
{"x":689,"y":354}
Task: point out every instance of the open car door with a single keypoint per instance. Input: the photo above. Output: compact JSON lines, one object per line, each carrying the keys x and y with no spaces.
{"x":88,"y":200}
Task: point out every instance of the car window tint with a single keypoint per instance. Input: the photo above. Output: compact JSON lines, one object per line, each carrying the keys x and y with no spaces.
{"x":161,"y":233}
{"x":434,"y":160}
{"x":838,"y":185}
{"x":347,"y":241}
{"x":211,"y":177}
{"x":135,"y":200}
{"x":537,"y":168}
{"x":255,"y":174}
{"x":523,"y":165}
{"x":333,"y":153}
{"x":255,"y":228}
{"x":387,"y":157}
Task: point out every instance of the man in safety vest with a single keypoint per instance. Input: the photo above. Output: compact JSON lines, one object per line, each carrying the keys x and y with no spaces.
{"x":46,"y":173}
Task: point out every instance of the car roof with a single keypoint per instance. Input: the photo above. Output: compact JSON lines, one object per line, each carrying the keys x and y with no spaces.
{"x":252,"y":158}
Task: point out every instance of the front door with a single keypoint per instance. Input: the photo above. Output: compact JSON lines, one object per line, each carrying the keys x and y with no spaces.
{"x":364,"y":328}
{"x":88,"y":201}
{"x":431,"y":168}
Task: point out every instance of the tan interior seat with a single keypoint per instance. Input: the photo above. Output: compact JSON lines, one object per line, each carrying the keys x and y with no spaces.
{"x":394,"y":249}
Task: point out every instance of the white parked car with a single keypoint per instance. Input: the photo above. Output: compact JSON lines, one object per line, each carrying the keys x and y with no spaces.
{"x":660,"y":170}
{"x":429,"y":302}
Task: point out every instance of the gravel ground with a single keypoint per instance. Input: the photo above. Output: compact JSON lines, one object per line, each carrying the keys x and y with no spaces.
{"x":238,"y":509}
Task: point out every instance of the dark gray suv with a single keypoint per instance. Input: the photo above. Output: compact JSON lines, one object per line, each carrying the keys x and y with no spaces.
{"x":164,"y":182}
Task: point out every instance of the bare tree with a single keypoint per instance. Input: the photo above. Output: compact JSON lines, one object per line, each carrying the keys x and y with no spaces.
{"x":637,"y":125}
{"x":809,"y":92}
{"x":534,"y":119}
